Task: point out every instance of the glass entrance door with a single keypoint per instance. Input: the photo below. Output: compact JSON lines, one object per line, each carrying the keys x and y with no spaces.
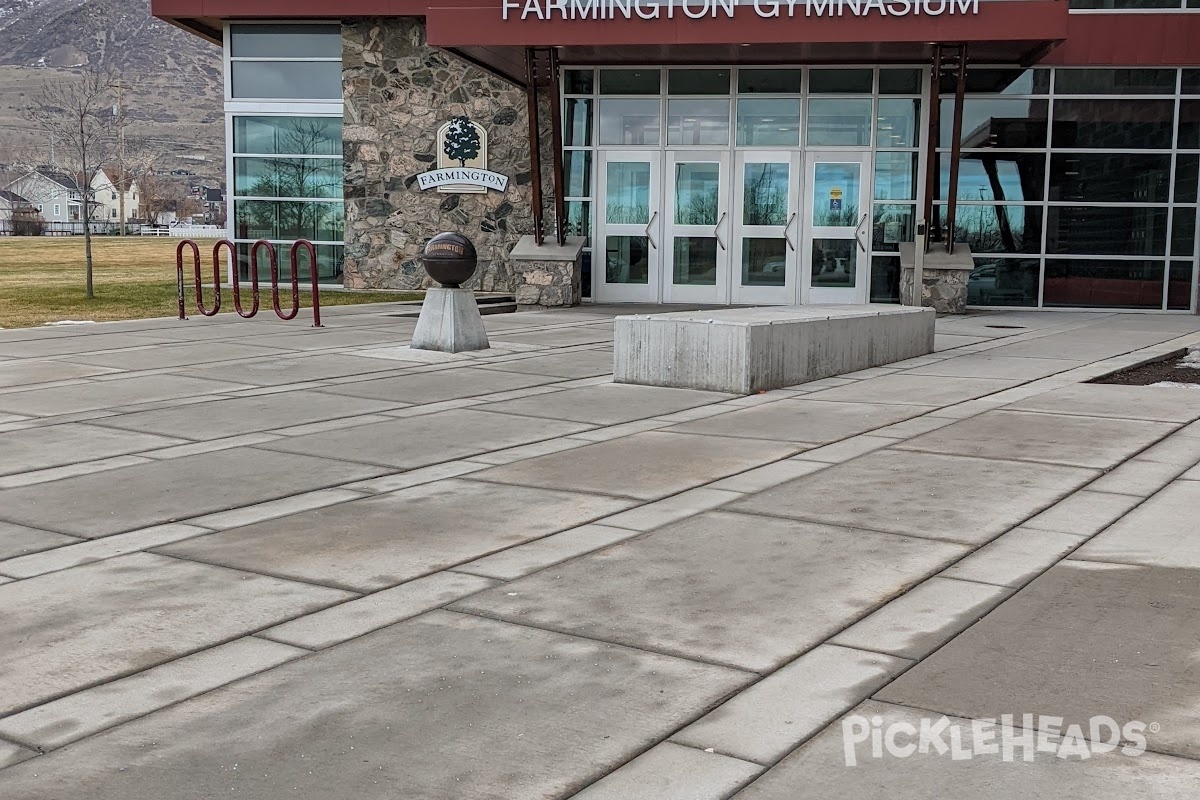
{"x":629,"y":223}
{"x":765,"y":228}
{"x":834,"y":256}
{"x":697,"y":228}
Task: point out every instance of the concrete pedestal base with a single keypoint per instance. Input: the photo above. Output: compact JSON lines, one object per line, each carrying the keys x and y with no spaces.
{"x":450,"y":322}
{"x":746,"y":350}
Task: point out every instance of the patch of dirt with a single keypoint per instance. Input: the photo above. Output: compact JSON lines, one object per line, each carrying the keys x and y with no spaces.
{"x":1176,"y":370}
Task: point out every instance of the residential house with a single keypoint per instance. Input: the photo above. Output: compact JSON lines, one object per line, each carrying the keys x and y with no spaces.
{"x":54,"y":193}
{"x":10,"y":202}
{"x":108,"y":186}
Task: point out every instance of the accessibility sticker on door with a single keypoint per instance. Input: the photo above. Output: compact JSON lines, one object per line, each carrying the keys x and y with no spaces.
{"x":835,"y":199}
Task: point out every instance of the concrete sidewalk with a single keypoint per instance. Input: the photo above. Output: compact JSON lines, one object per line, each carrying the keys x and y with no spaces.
{"x":250,"y":559}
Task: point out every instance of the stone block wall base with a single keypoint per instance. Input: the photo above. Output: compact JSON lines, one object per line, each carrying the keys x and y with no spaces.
{"x":943,"y":290}
{"x":450,"y":323}
{"x":547,"y":275}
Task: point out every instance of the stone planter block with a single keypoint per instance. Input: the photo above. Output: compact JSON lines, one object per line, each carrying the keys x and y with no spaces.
{"x":746,"y":350}
{"x":944,"y":277}
{"x":548,"y":274}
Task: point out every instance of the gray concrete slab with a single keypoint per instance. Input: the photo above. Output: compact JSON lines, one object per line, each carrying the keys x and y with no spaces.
{"x":110,"y":394}
{"x":559,"y":337}
{"x":1162,"y":532}
{"x":23,"y":372}
{"x":179,"y":355}
{"x":672,"y":772}
{"x":919,"y":390}
{"x":14,"y":754}
{"x":73,"y":629}
{"x":381,"y":541}
{"x":82,"y":714}
{"x":609,"y":403}
{"x":1140,"y":623}
{"x":288,"y":368}
{"x":1086,"y":344}
{"x":989,"y":366}
{"x":578,"y":364}
{"x":475,"y":707}
{"x":923,"y":494}
{"x":429,"y":439}
{"x":78,"y":342}
{"x":1049,"y":438}
{"x":395,"y":332}
{"x":57,"y":445}
{"x":646,"y":466}
{"x":734,"y":589}
{"x":1138,"y":478}
{"x":923,"y":619}
{"x":1084,"y":513}
{"x":803,"y":420}
{"x":434,"y":387}
{"x":18,"y":540}
{"x":1015,"y":558}
{"x":87,"y":551}
{"x":819,"y":769}
{"x":516,"y":562}
{"x":240,"y":415}
{"x":158,"y":492}
{"x":1115,"y":400}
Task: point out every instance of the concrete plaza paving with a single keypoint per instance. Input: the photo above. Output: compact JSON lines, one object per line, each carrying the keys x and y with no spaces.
{"x":253,"y":559}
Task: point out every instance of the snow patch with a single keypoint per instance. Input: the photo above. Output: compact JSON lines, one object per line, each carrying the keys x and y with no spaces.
{"x":1191,"y":360}
{"x":72,"y":322}
{"x":1177,"y":385}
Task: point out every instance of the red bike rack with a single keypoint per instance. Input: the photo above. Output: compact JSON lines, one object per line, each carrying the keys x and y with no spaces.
{"x":225,"y":244}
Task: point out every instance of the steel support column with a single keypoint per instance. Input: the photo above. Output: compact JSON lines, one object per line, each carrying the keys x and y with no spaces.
{"x":535,"y":146}
{"x":960,"y":89}
{"x":556,"y":141}
{"x":931,"y":143}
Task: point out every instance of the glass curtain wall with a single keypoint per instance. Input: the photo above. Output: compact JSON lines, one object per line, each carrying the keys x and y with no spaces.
{"x":283,"y":103}
{"x":1077,"y":187}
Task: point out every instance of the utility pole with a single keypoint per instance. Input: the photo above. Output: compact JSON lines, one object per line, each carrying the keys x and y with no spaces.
{"x":122,"y":175}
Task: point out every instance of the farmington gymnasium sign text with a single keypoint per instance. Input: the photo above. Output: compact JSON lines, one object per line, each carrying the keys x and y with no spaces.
{"x":700,"y":9}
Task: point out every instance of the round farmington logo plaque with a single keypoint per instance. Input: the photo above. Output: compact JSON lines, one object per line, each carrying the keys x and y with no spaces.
{"x":462,"y":161}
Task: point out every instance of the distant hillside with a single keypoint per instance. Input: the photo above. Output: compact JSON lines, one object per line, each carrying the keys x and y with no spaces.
{"x":173,"y":78}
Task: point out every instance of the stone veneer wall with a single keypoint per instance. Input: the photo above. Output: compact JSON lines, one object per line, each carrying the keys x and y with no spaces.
{"x":398,"y":91}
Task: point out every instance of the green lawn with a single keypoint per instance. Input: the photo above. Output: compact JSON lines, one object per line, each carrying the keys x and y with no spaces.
{"x":42,"y":280}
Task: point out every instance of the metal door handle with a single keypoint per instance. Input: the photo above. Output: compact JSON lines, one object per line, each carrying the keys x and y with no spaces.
{"x":857,"y":228}
{"x":717,"y":229}
{"x":649,"y":225}
{"x":791,"y":245}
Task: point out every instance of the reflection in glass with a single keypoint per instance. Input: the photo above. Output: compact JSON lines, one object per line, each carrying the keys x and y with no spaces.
{"x":899,"y":81}
{"x":997,"y":228}
{"x":896,"y":123}
{"x":1191,"y":81}
{"x":577,"y":173}
{"x":891,"y":225}
{"x":765,"y":194}
{"x":895,"y":176}
{"x":836,"y":194}
{"x":329,"y":262}
{"x":579,"y":220}
{"x":577,"y":81}
{"x":834,"y":263}
{"x":627,"y":259}
{"x":1003,"y":282}
{"x":281,"y":219}
{"x":695,"y":261}
{"x":1179,"y":286}
{"x":585,"y":273}
{"x":628,"y":193}
{"x":1093,"y":283}
{"x":993,"y":175}
{"x":629,"y":122}
{"x":1114,"y":124}
{"x":1183,"y":232}
{"x":768,"y":122}
{"x":769,"y":81}
{"x":988,"y":122}
{"x":839,"y":81}
{"x":1106,"y":230}
{"x":698,"y":122}
{"x":1114,"y":81}
{"x":630,"y":81}
{"x":697,"y":193}
{"x":1187,"y":175}
{"x":839,"y":122}
{"x":286,"y":80}
{"x":981,"y":80}
{"x":697,"y":81}
{"x":288,"y":177}
{"x":282,"y":40}
{"x":1189,"y":124}
{"x":1110,"y":177}
{"x":302,"y":136}
{"x":764,"y":262}
{"x":885,"y":279}
{"x":577,"y":122}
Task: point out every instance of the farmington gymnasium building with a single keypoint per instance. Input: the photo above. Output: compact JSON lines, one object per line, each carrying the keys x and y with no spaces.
{"x":722,"y":151}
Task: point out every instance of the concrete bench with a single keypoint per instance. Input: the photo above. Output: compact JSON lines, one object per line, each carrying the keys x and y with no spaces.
{"x":746,"y":350}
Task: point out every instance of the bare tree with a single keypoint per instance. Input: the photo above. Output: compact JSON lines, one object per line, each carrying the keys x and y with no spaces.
{"x":77,"y":113}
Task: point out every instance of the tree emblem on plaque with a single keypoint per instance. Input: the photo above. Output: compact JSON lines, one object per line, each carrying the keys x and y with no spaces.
{"x":462,"y":142}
